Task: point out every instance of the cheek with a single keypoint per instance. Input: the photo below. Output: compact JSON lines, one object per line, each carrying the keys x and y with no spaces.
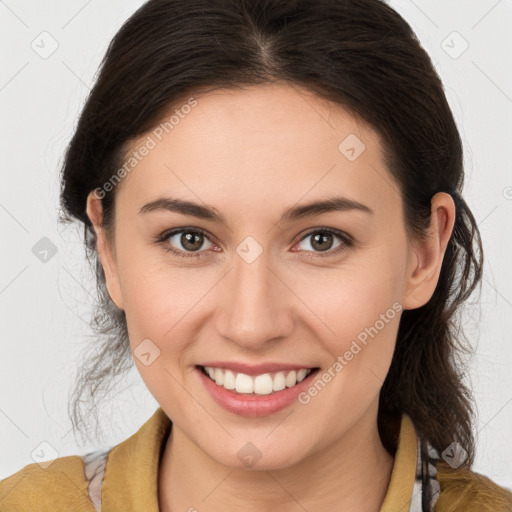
{"x":357,"y":313}
{"x":160,"y":299}
{"x":157,"y":303}
{"x":160,"y":304}
{"x":352,"y":297}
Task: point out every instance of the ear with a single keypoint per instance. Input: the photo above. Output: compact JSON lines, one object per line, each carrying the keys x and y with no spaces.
{"x":94,"y":210}
{"x":426,"y":257}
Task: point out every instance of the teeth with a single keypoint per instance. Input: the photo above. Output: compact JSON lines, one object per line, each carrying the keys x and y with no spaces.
{"x":301,"y":374}
{"x":219,"y":376}
{"x":261,"y":384}
{"x":279,"y":382}
{"x":229,"y":380}
{"x":244,"y":383}
{"x":291,"y":379}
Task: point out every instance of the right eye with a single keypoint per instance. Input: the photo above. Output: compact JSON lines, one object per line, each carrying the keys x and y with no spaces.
{"x":190,"y":240}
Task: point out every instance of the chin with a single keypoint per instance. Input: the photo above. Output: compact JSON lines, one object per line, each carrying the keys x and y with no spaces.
{"x":252,"y":456}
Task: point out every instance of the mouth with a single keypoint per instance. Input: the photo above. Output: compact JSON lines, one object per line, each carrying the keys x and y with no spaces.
{"x":264,"y":384}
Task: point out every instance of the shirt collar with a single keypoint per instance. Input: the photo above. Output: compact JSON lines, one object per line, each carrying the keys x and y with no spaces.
{"x":130,"y":481}
{"x":401,"y":484}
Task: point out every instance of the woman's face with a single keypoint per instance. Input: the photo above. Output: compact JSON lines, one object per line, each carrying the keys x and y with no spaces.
{"x":259,"y":275}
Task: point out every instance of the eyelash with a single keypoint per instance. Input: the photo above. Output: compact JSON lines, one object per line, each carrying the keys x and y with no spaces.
{"x":347,"y":243}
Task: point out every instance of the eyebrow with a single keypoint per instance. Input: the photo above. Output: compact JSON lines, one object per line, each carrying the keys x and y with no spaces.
{"x":294,"y":213}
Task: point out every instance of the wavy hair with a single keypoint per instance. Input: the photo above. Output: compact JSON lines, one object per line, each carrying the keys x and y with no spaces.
{"x":361,"y":54}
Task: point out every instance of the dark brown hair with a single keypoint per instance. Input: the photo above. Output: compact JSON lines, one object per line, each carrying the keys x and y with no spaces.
{"x":360,"y":54}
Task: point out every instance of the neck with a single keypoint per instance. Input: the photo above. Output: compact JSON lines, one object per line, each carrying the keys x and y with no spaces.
{"x":353,"y":474}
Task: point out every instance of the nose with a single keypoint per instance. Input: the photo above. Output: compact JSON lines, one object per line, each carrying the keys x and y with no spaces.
{"x":255,"y":304}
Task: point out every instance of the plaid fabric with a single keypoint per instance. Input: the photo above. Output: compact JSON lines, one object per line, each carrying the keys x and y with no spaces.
{"x":94,"y":470}
{"x":426,"y":488}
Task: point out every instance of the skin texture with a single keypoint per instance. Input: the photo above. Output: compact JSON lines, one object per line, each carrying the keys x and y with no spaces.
{"x":251,"y":154}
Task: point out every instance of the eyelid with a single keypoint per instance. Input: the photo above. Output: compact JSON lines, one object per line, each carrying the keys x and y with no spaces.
{"x":325,"y":229}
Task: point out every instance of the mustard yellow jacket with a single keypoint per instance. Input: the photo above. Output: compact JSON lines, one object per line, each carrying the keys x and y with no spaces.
{"x":124,"y":478}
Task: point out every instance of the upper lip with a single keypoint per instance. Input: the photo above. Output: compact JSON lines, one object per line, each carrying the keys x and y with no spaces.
{"x":254,"y":369}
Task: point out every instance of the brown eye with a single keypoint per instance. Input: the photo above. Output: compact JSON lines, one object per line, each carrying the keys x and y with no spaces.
{"x":324,"y":241}
{"x":320,"y":240}
{"x":191,"y":241}
{"x":186,"y":241}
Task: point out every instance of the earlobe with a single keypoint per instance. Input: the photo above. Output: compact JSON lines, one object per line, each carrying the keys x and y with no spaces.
{"x":94,"y":211}
{"x":426,"y":256}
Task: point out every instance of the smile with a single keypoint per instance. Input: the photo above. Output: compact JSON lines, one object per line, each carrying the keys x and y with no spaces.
{"x":264,"y":384}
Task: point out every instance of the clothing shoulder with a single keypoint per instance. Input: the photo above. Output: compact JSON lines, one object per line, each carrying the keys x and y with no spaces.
{"x":61,"y":485}
{"x":463,"y":489}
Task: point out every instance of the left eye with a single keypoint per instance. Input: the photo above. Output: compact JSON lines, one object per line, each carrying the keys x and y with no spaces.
{"x":322,"y":240}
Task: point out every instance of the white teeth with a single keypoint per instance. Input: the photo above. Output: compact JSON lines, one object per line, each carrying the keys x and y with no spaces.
{"x":301,"y":374}
{"x":229,"y":380}
{"x":243,"y":383}
{"x":219,"y":376}
{"x":261,"y":384}
{"x":291,"y":379}
{"x":279,"y":382}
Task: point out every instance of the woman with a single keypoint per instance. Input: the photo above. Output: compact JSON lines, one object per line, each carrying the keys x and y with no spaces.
{"x":223,"y":144}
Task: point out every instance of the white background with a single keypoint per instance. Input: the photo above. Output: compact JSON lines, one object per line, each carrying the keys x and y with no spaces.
{"x":44,"y":307}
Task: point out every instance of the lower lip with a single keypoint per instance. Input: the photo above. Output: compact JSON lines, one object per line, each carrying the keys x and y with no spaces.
{"x":254,"y":405}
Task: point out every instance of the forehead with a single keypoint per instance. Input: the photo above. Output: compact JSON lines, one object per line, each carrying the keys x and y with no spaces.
{"x":258,"y":146}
